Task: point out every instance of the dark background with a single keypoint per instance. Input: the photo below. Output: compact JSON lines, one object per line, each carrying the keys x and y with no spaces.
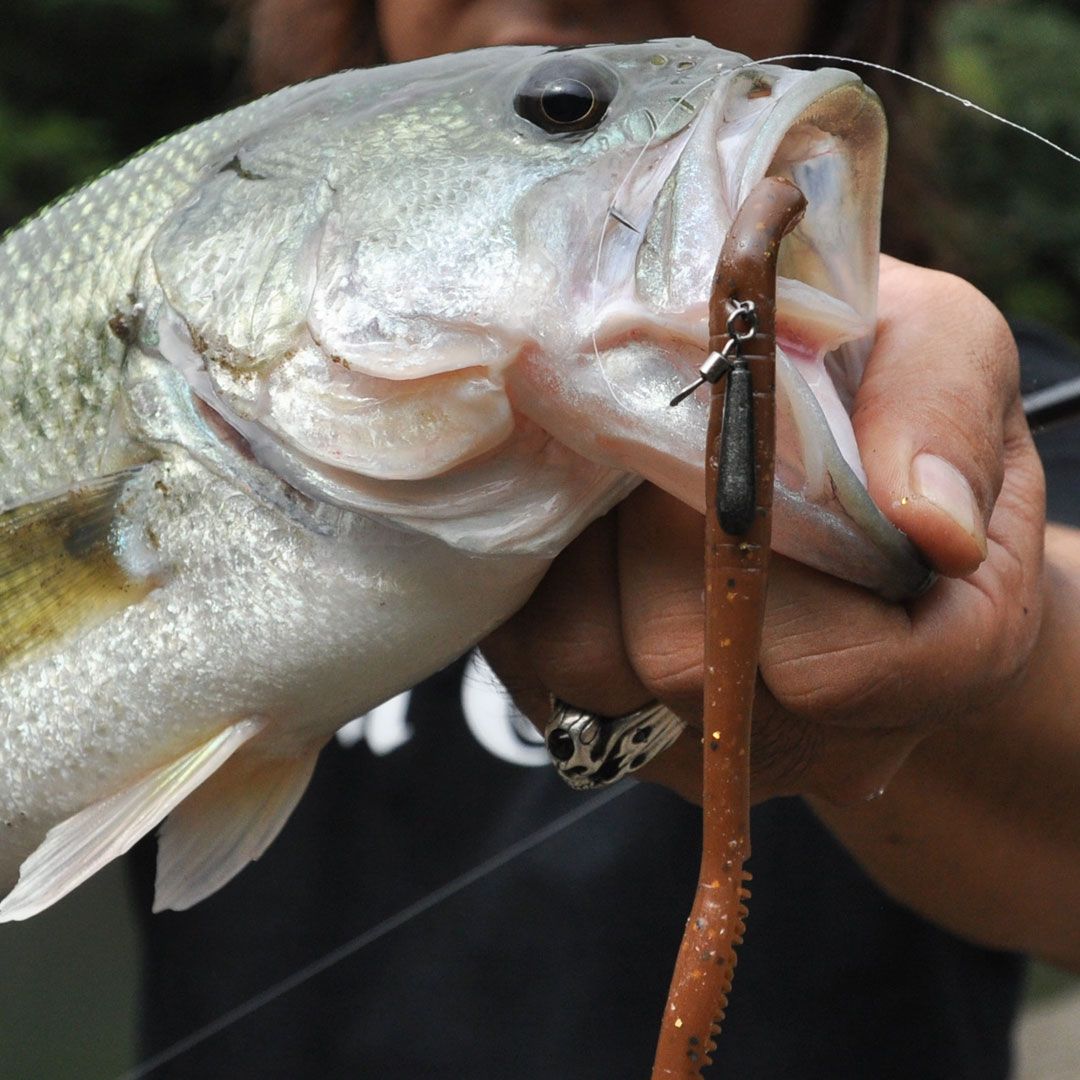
{"x":84,"y":83}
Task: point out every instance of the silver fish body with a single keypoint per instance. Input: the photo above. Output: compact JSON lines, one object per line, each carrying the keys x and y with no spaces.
{"x":299,"y":404}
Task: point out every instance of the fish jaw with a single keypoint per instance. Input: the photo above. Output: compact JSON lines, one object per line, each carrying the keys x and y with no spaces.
{"x":372,"y":377}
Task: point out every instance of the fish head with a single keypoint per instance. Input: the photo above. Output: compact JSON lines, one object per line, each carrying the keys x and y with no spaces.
{"x":645,"y":331}
{"x":460,"y":292}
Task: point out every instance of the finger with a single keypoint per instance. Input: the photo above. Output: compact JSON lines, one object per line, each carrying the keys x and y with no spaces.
{"x":567,"y":640}
{"x":984,"y":627}
{"x":507,"y":654}
{"x":678,"y":767}
{"x":795,"y":756}
{"x":831,"y":651}
{"x":661,"y":593}
{"x":929,"y":416}
{"x":839,"y":655}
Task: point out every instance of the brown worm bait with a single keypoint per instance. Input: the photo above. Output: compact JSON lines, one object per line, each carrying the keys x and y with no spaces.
{"x":739,"y":484}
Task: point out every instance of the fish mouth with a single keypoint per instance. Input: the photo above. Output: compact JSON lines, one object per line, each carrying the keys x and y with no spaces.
{"x":828,"y":140}
{"x":827,"y":135}
{"x":825,"y":132}
{"x":564,"y":408}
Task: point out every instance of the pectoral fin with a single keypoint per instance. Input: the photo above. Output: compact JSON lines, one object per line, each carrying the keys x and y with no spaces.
{"x":59,"y":567}
{"x":81,"y":845}
{"x":227,"y":823}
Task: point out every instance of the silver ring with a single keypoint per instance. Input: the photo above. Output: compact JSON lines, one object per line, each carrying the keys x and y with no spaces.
{"x":591,"y":751}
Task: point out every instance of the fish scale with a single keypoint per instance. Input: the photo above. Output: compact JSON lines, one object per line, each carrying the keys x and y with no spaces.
{"x":63,"y":276}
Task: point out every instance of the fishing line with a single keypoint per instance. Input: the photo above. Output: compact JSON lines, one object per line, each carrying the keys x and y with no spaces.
{"x":965,"y":102}
{"x":653,"y":139}
{"x":379,"y":930}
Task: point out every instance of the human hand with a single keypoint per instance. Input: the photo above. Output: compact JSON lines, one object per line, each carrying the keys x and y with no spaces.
{"x":849,"y":683}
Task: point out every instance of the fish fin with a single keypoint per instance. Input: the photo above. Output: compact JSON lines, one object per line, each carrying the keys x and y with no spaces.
{"x":226,"y":824}
{"x":82,"y":844}
{"x":59,"y":568}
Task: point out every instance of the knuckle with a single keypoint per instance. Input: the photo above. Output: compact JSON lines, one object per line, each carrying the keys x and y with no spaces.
{"x":833,"y":676}
{"x":670,"y":674}
{"x":991,"y":347}
{"x":579,"y":645}
{"x":665,"y":646}
{"x":1015,"y":611}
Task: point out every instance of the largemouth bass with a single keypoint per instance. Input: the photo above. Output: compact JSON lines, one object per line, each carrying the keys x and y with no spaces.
{"x":300,"y":403}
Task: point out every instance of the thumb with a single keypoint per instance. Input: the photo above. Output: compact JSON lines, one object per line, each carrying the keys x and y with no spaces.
{"x":930,"y":414}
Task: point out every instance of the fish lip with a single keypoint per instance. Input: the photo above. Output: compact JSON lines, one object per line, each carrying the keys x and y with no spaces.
{"x":824,"y":131}
{"x":835,"y":248}
{"x":840,"y":106}
{"x":826,"y":135}
{"x":685,"y":239}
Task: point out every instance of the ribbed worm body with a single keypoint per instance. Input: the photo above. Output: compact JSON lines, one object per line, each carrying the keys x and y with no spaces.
{"x":736,"y":565}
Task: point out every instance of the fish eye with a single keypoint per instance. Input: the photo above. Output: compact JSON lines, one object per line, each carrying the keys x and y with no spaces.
{"x":566,"y":94}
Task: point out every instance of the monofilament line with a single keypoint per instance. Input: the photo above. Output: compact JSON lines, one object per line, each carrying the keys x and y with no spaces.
{"x":380,"y":930}
{"x":658,"y":126}
{"x":967,"y":104}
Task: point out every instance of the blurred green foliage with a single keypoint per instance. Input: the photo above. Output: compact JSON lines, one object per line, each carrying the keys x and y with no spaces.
{"x":85,"y":83}
{"x":1008,"y":216}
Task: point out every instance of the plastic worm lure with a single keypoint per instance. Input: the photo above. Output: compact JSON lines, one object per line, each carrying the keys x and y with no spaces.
{"x":739,"y":483}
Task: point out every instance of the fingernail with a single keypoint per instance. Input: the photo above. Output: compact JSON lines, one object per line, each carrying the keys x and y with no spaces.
{"x":935,"y":480}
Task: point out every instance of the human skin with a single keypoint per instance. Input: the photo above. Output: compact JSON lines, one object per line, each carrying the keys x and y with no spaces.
{"x":850,"y":683}
{"x":960,"y":704}
{"x":410,"y":29}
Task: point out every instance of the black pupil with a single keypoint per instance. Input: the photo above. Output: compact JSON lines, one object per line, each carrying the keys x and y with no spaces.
{"x":567,"y":101}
